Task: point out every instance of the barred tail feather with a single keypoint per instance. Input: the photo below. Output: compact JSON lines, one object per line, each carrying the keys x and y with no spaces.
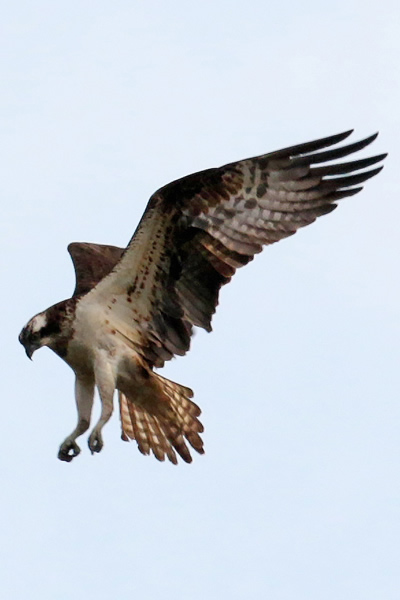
{"x":161,"y":426}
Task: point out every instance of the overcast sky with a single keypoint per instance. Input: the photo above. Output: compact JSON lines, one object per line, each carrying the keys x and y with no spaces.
{"x":298,"y":494}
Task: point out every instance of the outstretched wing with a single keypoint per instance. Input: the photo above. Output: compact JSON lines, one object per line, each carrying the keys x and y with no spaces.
{"x":92,"y":262}
{"x":196,"y":231}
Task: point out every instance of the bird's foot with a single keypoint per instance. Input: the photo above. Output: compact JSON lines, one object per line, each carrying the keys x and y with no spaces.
{"x":95,"y":441}
{"x":68,"y":450}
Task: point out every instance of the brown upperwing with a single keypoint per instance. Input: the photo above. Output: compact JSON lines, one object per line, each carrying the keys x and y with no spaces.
{"x":92,"y":262}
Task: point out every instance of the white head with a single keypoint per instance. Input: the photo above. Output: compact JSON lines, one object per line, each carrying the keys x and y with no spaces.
{"x":36,"y":333}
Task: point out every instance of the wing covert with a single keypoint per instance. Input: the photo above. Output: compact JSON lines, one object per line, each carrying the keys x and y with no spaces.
{"x":92,"y":262}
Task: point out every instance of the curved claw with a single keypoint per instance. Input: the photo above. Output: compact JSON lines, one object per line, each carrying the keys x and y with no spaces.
{"x":68,"y":450}
{"x":95,"y":442}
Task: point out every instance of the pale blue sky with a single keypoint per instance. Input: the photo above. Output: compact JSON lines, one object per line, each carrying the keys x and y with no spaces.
{"x":298,"y":495}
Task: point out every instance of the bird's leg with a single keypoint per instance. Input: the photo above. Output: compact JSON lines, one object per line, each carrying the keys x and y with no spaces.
{"x":105,"y":382}
{"x":84,"y":392}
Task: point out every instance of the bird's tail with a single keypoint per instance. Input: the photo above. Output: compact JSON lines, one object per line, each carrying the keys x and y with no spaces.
{"x":162,"y":424}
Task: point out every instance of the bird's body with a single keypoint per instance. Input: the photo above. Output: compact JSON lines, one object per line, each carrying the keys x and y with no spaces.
{"x":134,"y":309}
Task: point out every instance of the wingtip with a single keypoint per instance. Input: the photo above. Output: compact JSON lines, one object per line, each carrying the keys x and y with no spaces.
{"x":366,"y":141}
{"x":354,"y":191}
{"x":371,"y":138}
{"x":378,"y":157}
{"x":345,"y":134}
{"x":338,"y":137}
{"x":74,"y":246}
{"x":374,"y":172}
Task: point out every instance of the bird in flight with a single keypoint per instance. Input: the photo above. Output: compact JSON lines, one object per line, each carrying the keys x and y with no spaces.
{"x":135,"y":308}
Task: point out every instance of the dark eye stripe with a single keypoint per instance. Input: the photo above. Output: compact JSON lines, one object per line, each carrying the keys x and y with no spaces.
{"x":48,"y":330}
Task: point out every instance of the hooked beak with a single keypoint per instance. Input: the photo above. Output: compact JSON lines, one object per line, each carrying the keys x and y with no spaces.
{"x":29,"y":350}
{"x":29,"y":347}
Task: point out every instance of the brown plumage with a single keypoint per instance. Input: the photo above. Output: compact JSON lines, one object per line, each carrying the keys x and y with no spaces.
{"x":136,"y":308}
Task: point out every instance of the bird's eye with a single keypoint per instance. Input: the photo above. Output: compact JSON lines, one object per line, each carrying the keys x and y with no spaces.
{"x":34,"y":336}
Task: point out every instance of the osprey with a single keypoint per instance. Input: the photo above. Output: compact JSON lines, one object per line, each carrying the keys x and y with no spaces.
{"x":133,"y":309}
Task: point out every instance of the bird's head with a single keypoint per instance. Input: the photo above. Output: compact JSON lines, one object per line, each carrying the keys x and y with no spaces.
{"x":37,"y":333}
